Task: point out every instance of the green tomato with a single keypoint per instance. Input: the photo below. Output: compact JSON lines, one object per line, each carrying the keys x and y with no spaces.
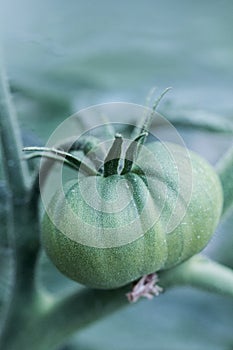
{"x":107,"y":230}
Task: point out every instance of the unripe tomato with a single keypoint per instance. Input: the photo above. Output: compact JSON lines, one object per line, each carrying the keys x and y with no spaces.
{"x":106,"y":231}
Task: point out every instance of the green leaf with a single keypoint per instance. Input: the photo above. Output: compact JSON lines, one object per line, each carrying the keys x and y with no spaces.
{"x":225,"y":171}
{"x":178,"y":320}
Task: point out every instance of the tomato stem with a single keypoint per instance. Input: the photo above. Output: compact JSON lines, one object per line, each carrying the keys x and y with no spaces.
{"x":10,"y":141}
{"x":111,"y":162}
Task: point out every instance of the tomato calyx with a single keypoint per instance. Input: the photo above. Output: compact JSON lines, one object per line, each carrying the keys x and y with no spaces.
{"x":133,"y":152}
{"x":113,"y":163}
{"x":113,"y":158}
{"x":58,"y":155}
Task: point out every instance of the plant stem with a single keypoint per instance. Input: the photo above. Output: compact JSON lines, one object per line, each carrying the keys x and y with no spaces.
{"x":16,"y":170}
{"x":23,"y":228}
{"x":82,"y":309}
{"x":23,"y":231}
{"x":202,"y":273}
{"x":51,"y":327}
{"x":24,"y":239}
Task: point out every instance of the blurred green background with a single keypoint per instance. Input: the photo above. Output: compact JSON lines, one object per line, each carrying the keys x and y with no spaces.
{"x":64,"y":56}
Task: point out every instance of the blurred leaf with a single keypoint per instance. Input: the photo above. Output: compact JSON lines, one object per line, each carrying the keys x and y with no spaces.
{"x":180,"y":319}
{"x":200,"y":120}
{"x":84,"y":56}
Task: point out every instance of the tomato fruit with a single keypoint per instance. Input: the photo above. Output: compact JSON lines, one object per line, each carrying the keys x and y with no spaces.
{"x":138,"y":216}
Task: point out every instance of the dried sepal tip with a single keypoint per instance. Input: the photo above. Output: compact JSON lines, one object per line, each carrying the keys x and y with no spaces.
{"x":146,"y":287}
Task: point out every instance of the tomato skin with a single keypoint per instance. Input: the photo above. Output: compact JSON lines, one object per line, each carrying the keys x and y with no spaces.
{"x":123,"y":245}
{"x":100,"y":267}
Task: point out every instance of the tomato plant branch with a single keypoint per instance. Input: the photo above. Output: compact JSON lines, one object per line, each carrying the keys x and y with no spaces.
{"x":24,"y":239}
{"x":16,"y":170}
{"x":24,"y":296}
{"x":202,"y":273}
{"x":23,"y":227}
{"x":81,"y":309}
{"x":23,"y":213}
{"x":5,"y":202}
{"x":74,"y":312}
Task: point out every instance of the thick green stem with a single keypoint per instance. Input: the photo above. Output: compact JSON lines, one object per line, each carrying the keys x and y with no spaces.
{"x":23,"y":228}
{"x":57,"y":321}
{"x":15,"y":168}
{"x":201,"y":273}
{"x":22,"y":324}
{"x":24,"y":239}
{"x":198,"y":272}
{"x":25,"y":242}
{"x":80,"y":310}
{"x":5,"y":202}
